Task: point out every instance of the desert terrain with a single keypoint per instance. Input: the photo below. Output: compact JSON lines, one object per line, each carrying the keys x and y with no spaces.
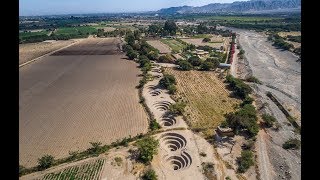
{"x":84,"y":93}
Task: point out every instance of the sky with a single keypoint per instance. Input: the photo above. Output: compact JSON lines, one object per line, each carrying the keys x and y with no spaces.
{"x":53,"y":7}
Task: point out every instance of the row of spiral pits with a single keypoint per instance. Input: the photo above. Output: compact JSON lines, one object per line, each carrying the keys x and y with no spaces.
{"x":175,"y":143}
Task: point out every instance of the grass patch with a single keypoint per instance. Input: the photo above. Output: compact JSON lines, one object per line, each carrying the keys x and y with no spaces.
{"x":175,"y":45}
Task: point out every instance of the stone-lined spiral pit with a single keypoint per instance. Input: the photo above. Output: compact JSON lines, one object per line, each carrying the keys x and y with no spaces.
{"x":155,"y":92}
{"x":173,"y":141}
{"x":158,"y":76}
{"x":156,"y":70}
{"x":180,"y":162}
{"x":168,"y":120}
{"x":162,"y":105}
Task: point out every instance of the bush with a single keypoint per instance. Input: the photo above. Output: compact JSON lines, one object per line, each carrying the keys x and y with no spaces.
{"x":150,"y":175}
{"x":292,"y":144}
{"x":45,"y":162}
{"x":247,"y":100}
{"x":132,"y":54}
{"x":185,"y":65}
{"x":206,"y":40}
{"x":254,"y":80}
{"x":206,"y":66}
{"x":167,"y":80}
{"x":154,"y":125}
{"x":214,"y":61}
{"x":164,"y":59}
{"x":239,"y":87}
{"x":268,"y":120}
{"x":194,"y":61}
{"x":245,"y":161}
{"x":172,"y":89}
{"x":177,"y":108}
{"x":147,"y":148}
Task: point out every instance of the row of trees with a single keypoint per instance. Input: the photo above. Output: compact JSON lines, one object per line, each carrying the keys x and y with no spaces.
{"x":169,"y":28}
{"x":279,"y":42}
{"x":194,"y":62}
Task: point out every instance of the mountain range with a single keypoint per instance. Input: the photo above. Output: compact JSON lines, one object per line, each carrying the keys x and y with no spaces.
{"x":237,"y":6}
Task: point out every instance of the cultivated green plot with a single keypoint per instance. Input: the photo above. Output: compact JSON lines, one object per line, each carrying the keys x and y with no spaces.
{"x":76,"y":30}
{"x":89,"y":170}
{"x":174,"y":44}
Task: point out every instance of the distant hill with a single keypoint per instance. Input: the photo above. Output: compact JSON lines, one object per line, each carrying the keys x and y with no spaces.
{"x":238,"y":6}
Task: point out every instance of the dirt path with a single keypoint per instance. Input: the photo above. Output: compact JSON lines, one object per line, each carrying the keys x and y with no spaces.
{"x":265,"y":168}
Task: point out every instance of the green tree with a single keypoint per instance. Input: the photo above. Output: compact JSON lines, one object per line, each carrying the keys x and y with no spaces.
{"x":172,"y":89}
{"x":206,"y":66}
{"x":177,"y":108}
{"x":214,"y":61}
{"x":167,"y":80}
{"x":171,"y":27}
{"x":45,"y":162}
{"x":132,"y":54}
{"x":245,"y":161}
{"x":150,"y":175}
{"x":164,"y":59}
{"x":202,"y":28}
{"x":147,"y":148}
{"x":184,"y":65}
{"x":268,"y":120}
{"x":292,"y":144}
{"x":194,"y":60}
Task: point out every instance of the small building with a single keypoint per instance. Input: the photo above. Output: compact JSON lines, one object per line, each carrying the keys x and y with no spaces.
{"x":200,"y":53}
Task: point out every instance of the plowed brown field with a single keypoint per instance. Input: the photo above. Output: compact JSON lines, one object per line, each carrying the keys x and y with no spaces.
{"x":65,"y":102}
{"x":206,"y":96}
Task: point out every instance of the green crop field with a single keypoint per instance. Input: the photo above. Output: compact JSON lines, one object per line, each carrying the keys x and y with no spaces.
{"x":89,"y":170}
{"x":76,"y":30}
{"x":173,"y":44}
{"x":29,"y":34}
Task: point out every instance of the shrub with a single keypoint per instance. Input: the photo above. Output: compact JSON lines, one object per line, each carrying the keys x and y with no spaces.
{"x":268,"y":120}
{"x":172,"y":89}
{"x":292,"y":144}
{"x":147,"y":148}
{"x":214,"y":61}
{"x":177,"y":108}
{"x":118,"y":160}
{"x":194,"y":61}
{"x":203,"y":154}
{"x":154,"y":125}
{"x":45,"y":162}
{"x":206,"y":66}
{"x":206,"y":39}
{"x":245,"y":161}
{"x":167,"y":80}
{"x":253,"y":79}
{"x":164,"y":59}
{"x":96,"y":148}
{"x":150,"y":175}
{"x":247,"y":100}
{"x":185,"y":65}
{"x":132,"y":54}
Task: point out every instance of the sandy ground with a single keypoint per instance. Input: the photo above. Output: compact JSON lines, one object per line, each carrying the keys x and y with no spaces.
{"x":163,"y":48}
{"x":67,"y":101}
{"x":281,"y":75}
{"x":30,"y":51}
{"x":198,"y":42}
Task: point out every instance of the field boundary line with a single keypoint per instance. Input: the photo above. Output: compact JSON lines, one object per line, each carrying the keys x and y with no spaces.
{"x":49,"y":53}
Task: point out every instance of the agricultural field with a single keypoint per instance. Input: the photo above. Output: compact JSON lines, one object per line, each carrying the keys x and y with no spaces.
{"x":175,"y":45}
{"x":163,"y":48}
{"x":207,"y":99}
{"x":24,"y":35}
{"x":83,"y":93}
{"x":88,"y":170}
{"x":198,"y":42}
{"x":75,"y":30}
{"x":31,"y":51}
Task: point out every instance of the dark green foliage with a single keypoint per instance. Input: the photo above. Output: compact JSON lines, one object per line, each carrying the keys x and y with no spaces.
{"x":170,"y":27}
{"x":184,"y":65}
{"x":214,"y":61}
{"x":205,"y":48}
{"x":206,"y":39}
{"x":294,"y":38}
{"x":245,"y":161}
{"x":268,"y":120}
{"x":96,"y":148}
{"x":172,"y":89}
{"x":206,"y":66}
{"x":190,"y":47}
{"x":279,"y":42}
{"x":202,"y":29}
{"x":164,"y":59}
{"x":150,"y":175}
{"x":254,"y":80}
{"x":147,"y":148}
{"x":154,"y":29}
{"x":45,"y":162}
{"x":177,"y":108}
{"x":292,"y":144}
{"x":244,"y":119}
{"x":239,"y":87}
{"x":132,"y":54}
{"x":195,"y":61}
{"x":247,"y":100}
{"x":154,"y":125}
{"x":167,"y":80}
{"x":130,"y":39}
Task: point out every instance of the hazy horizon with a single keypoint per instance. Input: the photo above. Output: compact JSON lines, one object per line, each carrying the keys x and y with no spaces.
{"x":60,"y":7}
